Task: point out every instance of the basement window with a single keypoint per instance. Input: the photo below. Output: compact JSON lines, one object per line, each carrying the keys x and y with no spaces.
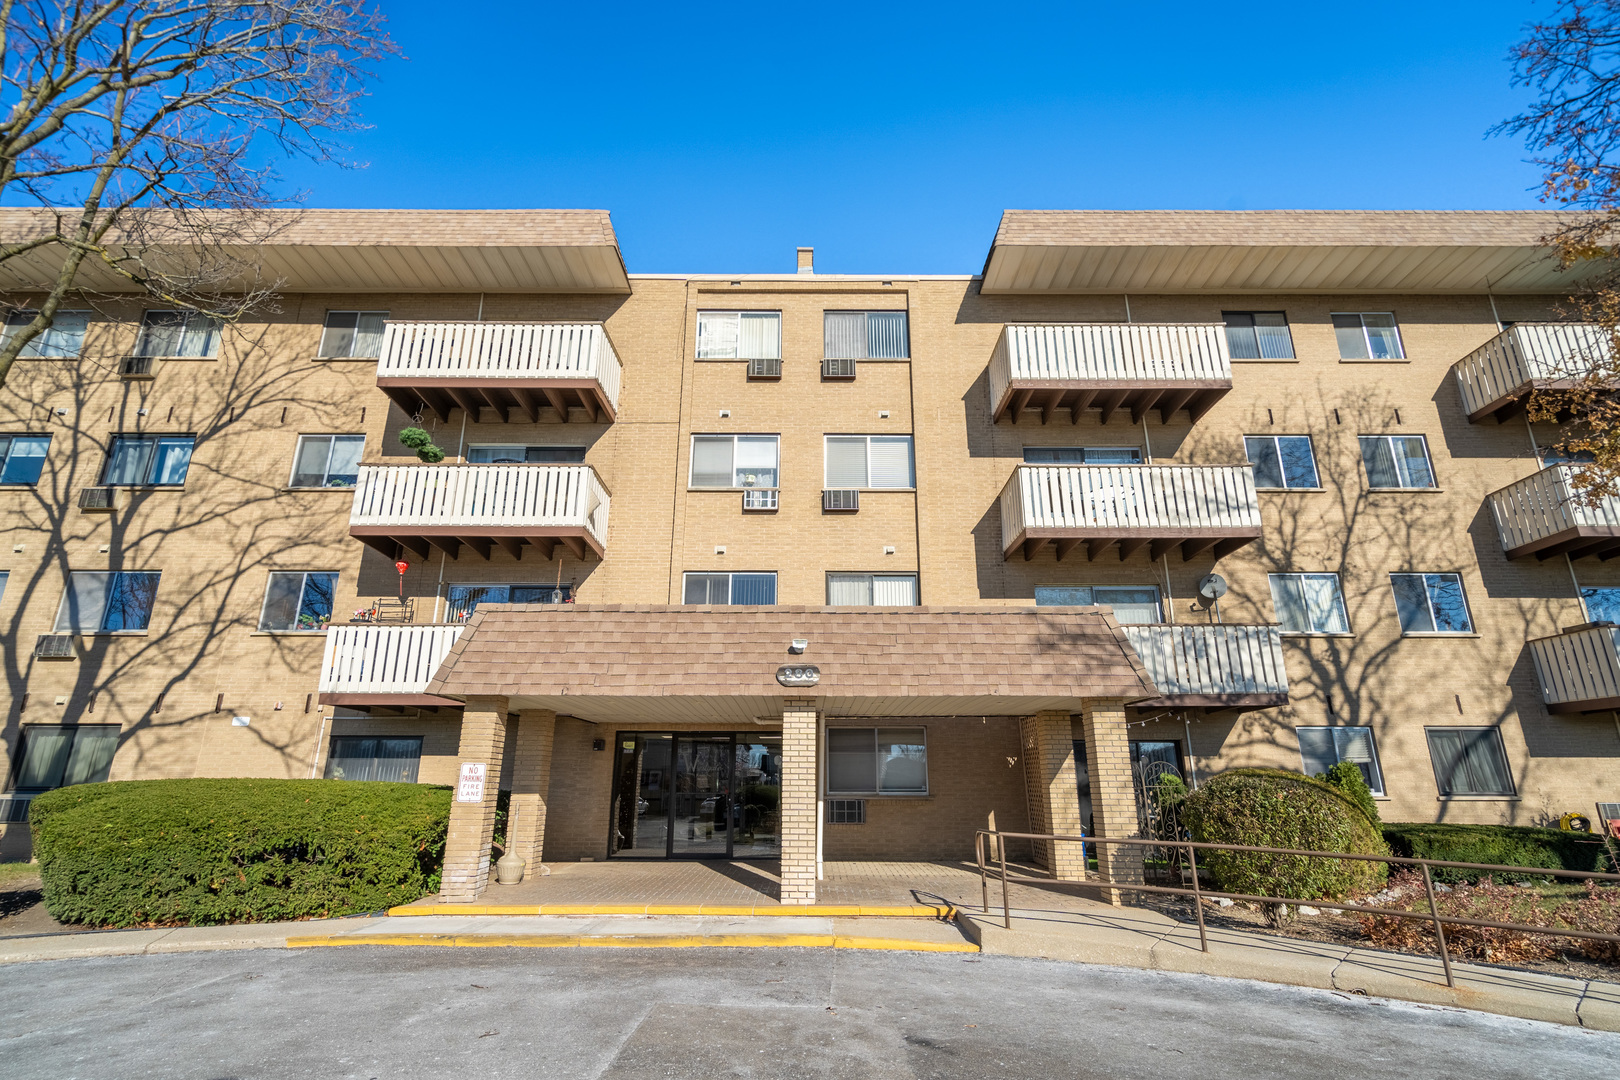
{"x":389,"y":758}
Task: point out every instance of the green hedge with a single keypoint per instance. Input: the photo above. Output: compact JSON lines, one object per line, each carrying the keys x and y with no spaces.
{"x":1500,"y":845}
{"x":201,"y":852}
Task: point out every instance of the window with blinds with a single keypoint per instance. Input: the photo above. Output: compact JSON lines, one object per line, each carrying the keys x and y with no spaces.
{"x":872,"y":590}
{"x":869,"y":461}
{"x":739,"y":335}
{"x":1469,"y":761}
{"x":701,"y":588}
{"x":353,"y":333}
{"x":865,"y":335}
{"x":1321,"y":748}
{"x":734,"y":461}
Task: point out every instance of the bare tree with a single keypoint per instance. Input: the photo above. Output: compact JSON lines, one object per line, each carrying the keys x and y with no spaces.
{"x":144,"y":131}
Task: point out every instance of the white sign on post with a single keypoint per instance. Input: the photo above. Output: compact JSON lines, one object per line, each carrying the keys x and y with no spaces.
{"x":471,"y":786}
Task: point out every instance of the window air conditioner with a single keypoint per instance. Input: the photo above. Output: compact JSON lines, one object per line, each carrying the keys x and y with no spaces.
{"x":98,"y":498}
{"x":765,"y":369}
{"x":841,"y":499}
{"x":838,"y":369}
{"x":759,"y":499}
{"x":54,"y":646}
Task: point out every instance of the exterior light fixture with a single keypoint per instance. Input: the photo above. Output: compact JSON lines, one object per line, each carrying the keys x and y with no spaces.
{"x":798,"y":645}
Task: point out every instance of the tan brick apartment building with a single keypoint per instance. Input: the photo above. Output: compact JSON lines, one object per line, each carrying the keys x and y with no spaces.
{"x":979,"y":507}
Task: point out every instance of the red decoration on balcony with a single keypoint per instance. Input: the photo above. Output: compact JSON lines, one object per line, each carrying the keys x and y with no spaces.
{"x":402,"y":566}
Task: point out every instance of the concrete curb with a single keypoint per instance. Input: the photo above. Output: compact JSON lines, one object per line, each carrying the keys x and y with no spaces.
{"x":636,"y":941}
{"x":880,"y":911}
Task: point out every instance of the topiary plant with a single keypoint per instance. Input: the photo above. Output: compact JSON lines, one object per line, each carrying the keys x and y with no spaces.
{"x":416,"y":439}
{"x":1346,"y":776}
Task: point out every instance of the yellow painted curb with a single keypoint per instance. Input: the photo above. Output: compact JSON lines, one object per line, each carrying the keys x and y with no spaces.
{"x":880,"y":911}
{"x":633,"y":941}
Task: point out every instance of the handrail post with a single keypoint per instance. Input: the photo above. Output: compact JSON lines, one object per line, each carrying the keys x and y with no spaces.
{"x":1439,"y":926}
{"x":1006,"y":906}
{"x":1198,"y":899}
{"x":984,"y":881}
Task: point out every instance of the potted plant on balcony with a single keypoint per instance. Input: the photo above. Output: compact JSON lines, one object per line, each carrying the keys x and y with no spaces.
{"x":416,"y":439}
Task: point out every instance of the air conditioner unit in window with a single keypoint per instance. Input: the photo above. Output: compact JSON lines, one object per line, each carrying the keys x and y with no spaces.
{"x":98,"y":498}
{"x":54,"y":646}
{"x":841,"y":499}
{"x":765,"y":369}
{"x":838,"y":369}
{"x":136,"y":367}
{"x":759,"y":498}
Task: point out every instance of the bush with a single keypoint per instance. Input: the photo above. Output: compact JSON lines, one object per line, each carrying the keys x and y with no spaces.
{"x":1346,"y":776}
{"x":1498,"y":845}
{"x":1274,"y":808}
{"x":177,"y":852}
{"x":416,"y":439}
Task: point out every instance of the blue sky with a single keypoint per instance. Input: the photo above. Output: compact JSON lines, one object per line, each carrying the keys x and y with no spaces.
{"x":891,"y":137}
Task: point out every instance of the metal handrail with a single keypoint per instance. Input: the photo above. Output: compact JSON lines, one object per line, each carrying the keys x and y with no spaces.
{"x":1191,"y":847}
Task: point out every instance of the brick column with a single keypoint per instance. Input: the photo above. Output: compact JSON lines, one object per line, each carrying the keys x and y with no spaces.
{"x":1054,"y":793}
{"x":472,"y":825}
{"x":531,"y":785}
{"x":1113,"y":794}
{"x":799,"y":752}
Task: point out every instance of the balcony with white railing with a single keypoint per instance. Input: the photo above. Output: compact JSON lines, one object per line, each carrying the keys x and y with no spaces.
{"x":515,"y":369}
{"x":1195,"y":507}
{"x":1211,"y":666}
{"x":1138,"y":367}
{"x":421,"y":507}
{"x":367,"y":664}
{"x":1579,"y":670}
{"x":1497,"y":378}
{"x":1542,"y":515}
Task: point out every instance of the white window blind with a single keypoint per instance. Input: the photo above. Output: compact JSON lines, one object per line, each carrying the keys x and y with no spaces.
{"x":881,"y":590}
{"x":739,"y":335}
{"x":869,"y":461}
{"x":1321,"y":748}
{"x":711,"y":461}
{"x":726,"y":461}
{"x":865,"y":335}
{"x":846,"y":461}
{"x":891,"y":462}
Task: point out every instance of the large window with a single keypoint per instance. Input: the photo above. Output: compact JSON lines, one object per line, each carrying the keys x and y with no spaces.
{"x":517,"y":455}
{"x":1321,"y":748}
{"x":374,"y":757}
{"x":139,"y":460}
{"x":869,"y":461}
{"x":103,"y":601}
{"x":739,"y":335}
{"x":729,"y":589}
{"x":1309,"y":603}
{"x":1131,"y":603}
{"x":63,"y":339}
{"x":1431,"y":604}
{"x":865,"y":335}
{"x":178,"y":333}
{"x":353,"y":333}
{"x":327,"y":460}
{"x":1082,"y":455}
{"x":877,"y":761}
{"x":1367,"y":335}
{"x":1469,"y":761}
{"x":1258,"y":335}
{"x":59,"y":755}
{"x":877,"y":590}
{"x":22,"y":458}
{"x":734,"y":461}
{"x":464,"y":599}
{"x":1282,"y":461}
{"x":1397,"y":461}
{"x":298,"y":601}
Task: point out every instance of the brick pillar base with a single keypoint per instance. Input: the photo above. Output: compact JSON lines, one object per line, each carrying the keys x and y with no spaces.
{"x":1113,"y":794}
{"x":472,"y":825}
{"x":1054,"y":793}
{"x":799,"y":752}
{"x":531,"y":784}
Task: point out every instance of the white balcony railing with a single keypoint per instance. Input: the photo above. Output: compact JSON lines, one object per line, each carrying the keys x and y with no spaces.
{"x":371,"y":659}
{"x":503,"y":496}
{"x":1505,"y":367}
{"x":500,"y":350}
{"x":1542,"y":512}
{"x":1580,"y":670}
{"x":1109,"y":354}
{"x":1211,"y":661}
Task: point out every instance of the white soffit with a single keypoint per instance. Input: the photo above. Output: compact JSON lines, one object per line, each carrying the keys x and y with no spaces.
{"x":1211,"y":251}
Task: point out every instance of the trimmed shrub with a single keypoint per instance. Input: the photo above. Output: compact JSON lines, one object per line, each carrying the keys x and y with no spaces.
{"x":202,"y":852}
{"x":1346,"y":776}
{"x":1275,"y":808}
{"x":1497,"y":845}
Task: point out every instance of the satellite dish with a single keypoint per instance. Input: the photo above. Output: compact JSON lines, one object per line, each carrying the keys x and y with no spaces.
{"x":1212,"y":587}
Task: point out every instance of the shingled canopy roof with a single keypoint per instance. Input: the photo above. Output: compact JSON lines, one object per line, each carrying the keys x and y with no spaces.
{"x":612,"y":663}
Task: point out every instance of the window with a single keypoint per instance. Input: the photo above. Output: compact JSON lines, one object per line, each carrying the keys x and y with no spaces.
{"x":59,"y":755}
{"x":875,"y":590}
{"x":1321,"y":748}
{"x":178,"y":333}
{"x":1602,"y":605}
{"x":1082,"y":455}
{"x":1282,"y":461}
{"x":1431,"y":604}
{"x":865,"y":335}
{"x":353,"y":333}
{"x":1397,"y":461}
{"x":327,"y":461}
{"x":1131,"y":603}
{"x":369,"y":757}
{"x":1258,"y":335}
{"x":877,"y":761}
{"x":513,"y":455}
{"x":298,"y":601}
{"x":734,"y":461}
{"x":869,"y":461}
{"x":5,"y":576}
{"x":103,"y":602}
{"x":64,"y":338}
{"x":137,"y":460}
{"x":846,"y":811}
{"x":464,"y":599}
{"x":1368,"y":336}
{"x":730,"y":589}
{"x":1309,"y":603}
{"x":1469,"y":761}
{"x":739,"y":335}
{"x":22,"y":458}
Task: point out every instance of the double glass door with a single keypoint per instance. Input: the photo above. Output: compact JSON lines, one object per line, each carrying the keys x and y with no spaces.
{"x":696,"y":796}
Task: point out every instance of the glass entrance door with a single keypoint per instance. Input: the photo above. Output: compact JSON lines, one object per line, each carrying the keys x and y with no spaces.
{"x":697,"y":796}
{"x":702,"y":818}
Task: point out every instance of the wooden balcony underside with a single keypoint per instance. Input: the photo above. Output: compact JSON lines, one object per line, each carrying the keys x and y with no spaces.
{"x":422,"y":540}
{"x":510,"y":398}
{"x":1213,"y":703}
{"x":1517,"y":403}
{"x":1136,"y":397}
{"x":419,"y":701}
{"x":1577,"y":542}
{"x":1192,"y":541}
